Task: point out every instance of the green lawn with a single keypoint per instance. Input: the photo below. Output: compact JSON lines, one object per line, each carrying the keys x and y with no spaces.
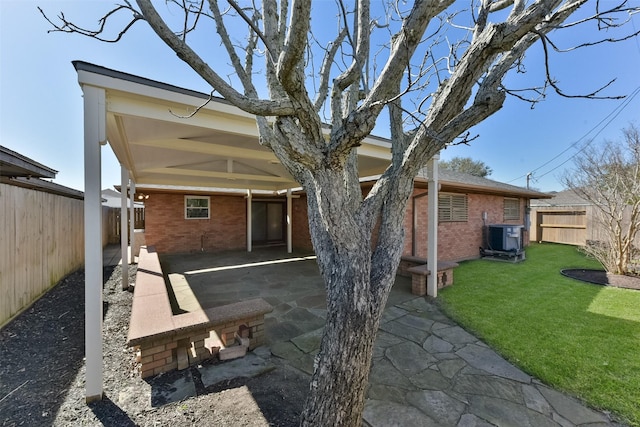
{"x":580,"y":338}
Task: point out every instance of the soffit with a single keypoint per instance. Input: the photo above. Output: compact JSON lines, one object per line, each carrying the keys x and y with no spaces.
{"x":217,"y":147}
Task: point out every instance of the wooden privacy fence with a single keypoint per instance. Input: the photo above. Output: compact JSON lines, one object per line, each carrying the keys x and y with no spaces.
{"x":567,"y":226}
{"x":41,"y":241}
{"x":113,"y":223}
{"x":573,"y":225}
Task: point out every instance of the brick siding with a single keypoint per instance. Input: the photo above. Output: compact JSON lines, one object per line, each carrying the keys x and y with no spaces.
{"x":301,"y":238}
{"x":167,"y":229}
{"x":457,"y":240}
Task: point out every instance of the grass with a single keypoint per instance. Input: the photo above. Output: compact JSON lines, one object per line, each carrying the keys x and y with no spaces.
{"x":580,"y":338}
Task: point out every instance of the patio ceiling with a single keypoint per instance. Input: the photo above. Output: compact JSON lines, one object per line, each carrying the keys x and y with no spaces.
{"x":217,"y":147}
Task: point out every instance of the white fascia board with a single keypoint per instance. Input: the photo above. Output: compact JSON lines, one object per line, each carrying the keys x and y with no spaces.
{"x":122,"y":85}
{"x":215,"y":183}
{"x":150,"y":109}
{"x":374,"y":151}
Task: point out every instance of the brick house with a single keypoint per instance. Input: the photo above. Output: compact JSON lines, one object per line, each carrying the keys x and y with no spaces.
{"x":466,"y":203}
{"x":212,"y":186}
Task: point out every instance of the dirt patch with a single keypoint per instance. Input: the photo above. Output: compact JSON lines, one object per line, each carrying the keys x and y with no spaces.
{"x":42,"y":373}
{"x":601,"y":277}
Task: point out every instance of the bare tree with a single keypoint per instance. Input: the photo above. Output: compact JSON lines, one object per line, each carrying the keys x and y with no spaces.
{"x":608,"y":176}
{"x":436,"y":67}
{"x":466,"y":165}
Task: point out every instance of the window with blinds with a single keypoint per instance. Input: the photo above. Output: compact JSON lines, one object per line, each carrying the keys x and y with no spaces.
{"x":512,"y":209}
{"x":196,"y":207}
{"x":453,"y":208}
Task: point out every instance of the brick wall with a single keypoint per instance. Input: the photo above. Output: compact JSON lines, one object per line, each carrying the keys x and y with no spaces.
{"x":301,"y":239}
{"x":456,"y":240}
{"x":167,"y":229}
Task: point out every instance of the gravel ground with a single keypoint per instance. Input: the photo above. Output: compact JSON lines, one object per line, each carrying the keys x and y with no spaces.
{"x":42,"y":373}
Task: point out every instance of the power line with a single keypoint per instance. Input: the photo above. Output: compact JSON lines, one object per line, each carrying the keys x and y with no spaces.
{"x":608,"y":118}
{"x":598,"y":133}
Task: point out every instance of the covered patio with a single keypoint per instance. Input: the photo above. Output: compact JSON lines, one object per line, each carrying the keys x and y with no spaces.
{"x":291,"y":283}
{"x":164,"y":135}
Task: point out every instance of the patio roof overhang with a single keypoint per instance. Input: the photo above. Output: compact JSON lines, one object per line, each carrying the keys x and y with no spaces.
{"x":218,"y":147}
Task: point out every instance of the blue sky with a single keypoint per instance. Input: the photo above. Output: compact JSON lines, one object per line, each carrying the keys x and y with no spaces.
{"x":41,"y":103}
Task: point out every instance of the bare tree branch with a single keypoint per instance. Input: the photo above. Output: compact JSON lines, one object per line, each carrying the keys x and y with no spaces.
{"x":251,"y":105}
{"x":552,"y":83}
{"x":252,"y":25}
{"x":245,"y":78}
{"x":70,"y":27}
{"x":361,"y":121}
{"x":295,"y":42}
{"x":272,"y":30}
{"x":325,"y":69}
{"x":196,"y":110}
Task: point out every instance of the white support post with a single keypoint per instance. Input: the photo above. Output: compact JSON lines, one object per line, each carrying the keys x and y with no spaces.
{"x":249,"y":228}
{"x":94,"y":136}
{"x":132,"y":220}
{"x":124,"y":227}
{"x":289,"y":227}
{"x":432,"y":226}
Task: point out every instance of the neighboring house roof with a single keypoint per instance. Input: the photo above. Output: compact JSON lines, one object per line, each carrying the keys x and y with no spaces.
{"x":562,"y":198}
{"x":112,"y":199}
{"x":13,"y":164}
{"x":21,"y":171}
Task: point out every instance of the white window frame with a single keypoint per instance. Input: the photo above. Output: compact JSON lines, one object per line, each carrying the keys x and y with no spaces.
{"x":187,"y":207}
{"x":512,"y":212}
{"x":453,"y":207}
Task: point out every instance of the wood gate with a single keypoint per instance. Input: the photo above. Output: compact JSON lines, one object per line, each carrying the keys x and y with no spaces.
{"x":114,"y":222}
{"x":567,"y":226}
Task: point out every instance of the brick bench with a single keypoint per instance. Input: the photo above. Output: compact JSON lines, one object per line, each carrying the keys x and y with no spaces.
{"x":419,"y":272}
{"x":167,"y":342}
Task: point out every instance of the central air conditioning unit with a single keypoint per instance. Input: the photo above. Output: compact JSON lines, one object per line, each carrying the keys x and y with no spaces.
{"x":505,"y":237}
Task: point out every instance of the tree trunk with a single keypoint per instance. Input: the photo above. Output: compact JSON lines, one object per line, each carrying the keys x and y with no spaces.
{"x":341,"y":374}
{"x":357,"y":292}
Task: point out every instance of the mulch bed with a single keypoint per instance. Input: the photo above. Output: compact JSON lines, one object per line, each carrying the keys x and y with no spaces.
{"x":601,"y":277}
{"x":42,"y":373}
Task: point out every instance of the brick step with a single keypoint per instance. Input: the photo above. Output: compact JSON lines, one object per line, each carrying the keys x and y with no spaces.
{"x":233,"y":350}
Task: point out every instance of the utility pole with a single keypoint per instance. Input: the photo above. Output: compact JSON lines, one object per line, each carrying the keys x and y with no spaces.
{"x":529,"y":178}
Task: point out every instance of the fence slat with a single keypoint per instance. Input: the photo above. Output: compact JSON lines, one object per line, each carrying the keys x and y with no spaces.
{"x":41,"y":241}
